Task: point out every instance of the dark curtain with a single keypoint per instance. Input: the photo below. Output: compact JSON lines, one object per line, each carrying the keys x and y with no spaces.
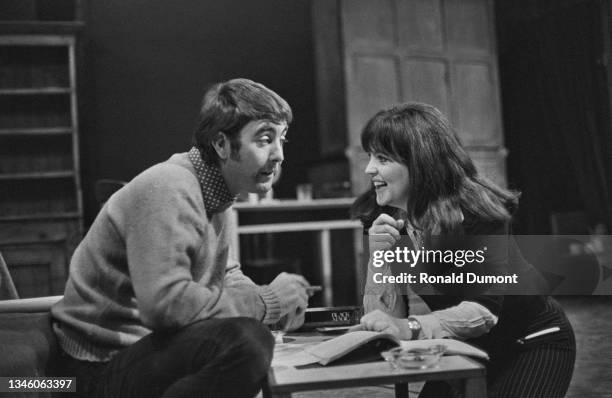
{"x":559,"y":104}
{"x":570,"y":49}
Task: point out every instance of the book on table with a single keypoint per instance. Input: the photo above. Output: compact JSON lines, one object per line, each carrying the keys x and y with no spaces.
{"x":363,"y":346}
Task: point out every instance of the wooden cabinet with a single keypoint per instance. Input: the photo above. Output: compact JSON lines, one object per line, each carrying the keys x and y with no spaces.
{"x":374,"y":53}
{"x":40,"y":190}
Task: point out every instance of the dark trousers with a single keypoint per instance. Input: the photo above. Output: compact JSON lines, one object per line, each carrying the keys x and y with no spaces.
{"x":210,"y":358}
{"x":542,"y":368}
{"x":544,"y":372}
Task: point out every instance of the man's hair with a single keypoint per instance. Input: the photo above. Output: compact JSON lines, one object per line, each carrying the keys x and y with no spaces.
{"x":228,"y":106}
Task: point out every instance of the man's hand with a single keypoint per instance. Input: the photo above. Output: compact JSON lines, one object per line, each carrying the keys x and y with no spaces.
{"x":291,"y":292}
{"x":289,"y":323}
{"x":382,"y":322}
{"x":384,"y":232}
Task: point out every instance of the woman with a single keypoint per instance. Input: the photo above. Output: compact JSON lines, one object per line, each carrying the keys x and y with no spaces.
{"x":426,"y":186}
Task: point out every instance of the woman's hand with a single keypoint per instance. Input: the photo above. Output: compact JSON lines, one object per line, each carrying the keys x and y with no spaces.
{"x":379,"y":321}
{"x":384,"y":232}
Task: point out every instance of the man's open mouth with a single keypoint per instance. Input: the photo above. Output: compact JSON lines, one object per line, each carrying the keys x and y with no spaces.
{"x":266,"y":173}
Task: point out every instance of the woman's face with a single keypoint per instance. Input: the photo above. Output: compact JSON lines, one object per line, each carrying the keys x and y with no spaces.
{"x":390,"y":179}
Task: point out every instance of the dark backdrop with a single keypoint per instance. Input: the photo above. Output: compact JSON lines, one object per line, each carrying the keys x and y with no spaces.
{"x":555,"y":104}
{"x":148,"y":63}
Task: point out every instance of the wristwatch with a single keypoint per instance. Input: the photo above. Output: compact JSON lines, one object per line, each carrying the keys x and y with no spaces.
{"x":415,"y":328}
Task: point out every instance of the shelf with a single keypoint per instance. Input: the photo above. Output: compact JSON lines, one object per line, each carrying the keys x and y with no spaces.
{"x":40,"y":189}
{"x":299,"y":226}
{"x":291,"y":204}
{"x":37,"y":175}
{"x":41,"y":216}
{"x":37,"y":131}
{"x":36,"y":91}
{"x":41,"y":27}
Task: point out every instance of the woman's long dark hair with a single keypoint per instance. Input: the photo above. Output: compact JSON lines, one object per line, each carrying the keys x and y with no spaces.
{"x":443,"y":181}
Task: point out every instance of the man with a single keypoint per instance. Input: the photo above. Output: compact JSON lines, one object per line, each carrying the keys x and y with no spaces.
{"x":157,"y":259}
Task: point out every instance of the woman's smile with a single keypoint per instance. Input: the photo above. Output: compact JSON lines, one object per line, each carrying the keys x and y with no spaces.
{"x":379,"y":184}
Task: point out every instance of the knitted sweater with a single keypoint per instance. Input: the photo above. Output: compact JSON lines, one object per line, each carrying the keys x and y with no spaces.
{"x":155,"y":259}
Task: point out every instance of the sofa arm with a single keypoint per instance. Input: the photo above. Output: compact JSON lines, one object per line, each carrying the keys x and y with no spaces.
{"x":28,"y":346}
{"x":36,"y":304}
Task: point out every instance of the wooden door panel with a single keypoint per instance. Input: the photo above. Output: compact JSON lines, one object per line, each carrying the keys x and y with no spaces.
{"x":368,"y":22}
{"x":423,"y":81}
{"x":477,"y":121}
{"x":420,"y":25}
{"x":468,"y":26}
{"x":374,"y":87}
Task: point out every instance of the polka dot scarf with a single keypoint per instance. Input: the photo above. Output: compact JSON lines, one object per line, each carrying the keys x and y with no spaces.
{"x":217,"y":196}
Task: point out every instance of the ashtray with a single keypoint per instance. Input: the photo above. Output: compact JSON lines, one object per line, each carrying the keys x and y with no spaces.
{"x":414,"y":358}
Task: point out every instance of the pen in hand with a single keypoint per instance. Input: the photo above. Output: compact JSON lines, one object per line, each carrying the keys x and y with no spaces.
{"x":312,"y":289}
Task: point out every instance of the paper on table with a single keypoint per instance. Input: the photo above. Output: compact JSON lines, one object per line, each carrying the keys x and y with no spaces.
{"x":453,"y":347}
{"x":292,"y":355}
{"x":330,"y":350}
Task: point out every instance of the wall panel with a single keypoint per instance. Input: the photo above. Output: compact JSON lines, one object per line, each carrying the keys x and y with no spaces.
{"x":421,"y":81}
{"x":476,"y":109}
{"x":369,"y":22}
{"x":420,"y":25}
{"x":375,"y":87}
{"x":469,"y":26}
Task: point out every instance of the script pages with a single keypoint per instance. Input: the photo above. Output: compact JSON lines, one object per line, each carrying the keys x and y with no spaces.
{"x":358,"y":343}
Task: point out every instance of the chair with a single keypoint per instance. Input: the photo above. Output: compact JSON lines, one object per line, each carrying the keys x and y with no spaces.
{"x":7,"y":287}
{"x":28,"y":346}
{"x":104,"y":188}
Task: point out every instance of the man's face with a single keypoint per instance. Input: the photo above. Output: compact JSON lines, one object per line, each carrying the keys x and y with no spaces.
{"x":258,"y":161}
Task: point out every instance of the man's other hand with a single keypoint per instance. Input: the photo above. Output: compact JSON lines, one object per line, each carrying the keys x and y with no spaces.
{"x":291,"y":292}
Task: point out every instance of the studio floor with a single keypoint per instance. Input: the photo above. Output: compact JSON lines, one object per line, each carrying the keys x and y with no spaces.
{"x":591,"y":318}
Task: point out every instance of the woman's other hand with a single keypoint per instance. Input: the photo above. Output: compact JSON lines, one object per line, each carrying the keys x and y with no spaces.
{"x":379,"y":321}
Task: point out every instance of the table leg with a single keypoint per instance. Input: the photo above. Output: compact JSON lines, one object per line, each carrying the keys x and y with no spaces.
{"x":476,"y":387}
{"x":361,"y":265}
{"x":401,"y":390}
{"x":267,"y":393}
{"x":324,"y":246}
{"x":235,"y":238}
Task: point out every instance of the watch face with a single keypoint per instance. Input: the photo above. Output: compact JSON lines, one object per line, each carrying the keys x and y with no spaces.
{"x":415,"y":328}
{"x":414,"y":324}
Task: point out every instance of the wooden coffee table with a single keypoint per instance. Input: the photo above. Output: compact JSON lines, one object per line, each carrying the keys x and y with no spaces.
{"x":284,"y":380}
